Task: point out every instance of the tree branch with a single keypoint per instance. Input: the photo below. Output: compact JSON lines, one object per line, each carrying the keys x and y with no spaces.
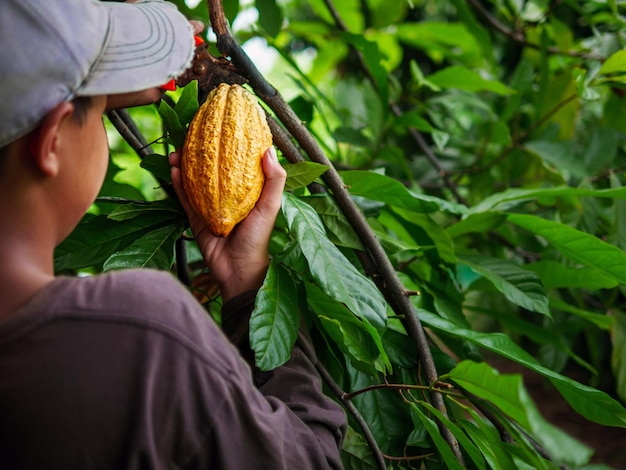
{"x":520,"y":38}
{"x":395,"y":290}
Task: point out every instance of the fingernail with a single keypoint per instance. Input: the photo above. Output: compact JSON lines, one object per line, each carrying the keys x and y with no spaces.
{"x":273,"y":155}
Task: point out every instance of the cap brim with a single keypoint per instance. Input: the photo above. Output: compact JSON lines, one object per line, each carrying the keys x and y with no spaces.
{"x":147,"y":45}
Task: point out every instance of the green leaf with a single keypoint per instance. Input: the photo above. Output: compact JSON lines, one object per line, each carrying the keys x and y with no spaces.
{"x":173,"y":125}
{"x":442,"y":446}
{"x":523,"y":288}
{"x":384,"y":411}
{"x":155,"y":249}
{"x":487,"y":439}
{"x":476,"y":223}
{"x":158,"y":165}
{"x":187,"y":104}
{"x":440,"y":238}
{"x":357,"y":339}
{"x":351,"y":136}
{"x":512,"y":197}
{"x":438,"y":39}
{"x":602,"y":321}
{"x":559,"y":154}
{"x":373,"y":61}
{"x":576,"y":245}
{"x":356,"y":453}
{"x":377,"y":187}
{"x":466,"y":444}
{"x":270,"y":16}
{"x":96,"y":238}
{"x":616,"y":63}
{"x":302,"y":174}
{"x":509,"y":395}
{"x":275,"y":319}
{"x":555,"y":275}
{"x":339,"y":230}
{"x":132,"y":210}
{"x":412,"y":119}
{"x":618,"y":354}
{"x":591,"y":403}
{"x":464,"y":79}
{"x":330,"y":268}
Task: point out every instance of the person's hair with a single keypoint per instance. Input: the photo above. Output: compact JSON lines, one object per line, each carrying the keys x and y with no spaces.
{"x":81,"y":106}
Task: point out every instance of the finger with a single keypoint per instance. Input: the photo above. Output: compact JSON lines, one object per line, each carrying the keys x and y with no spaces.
{"x":174,"y":159}
{"x":177,"y":183}
{"x":198,"y":26}
{"x":275,"y":176}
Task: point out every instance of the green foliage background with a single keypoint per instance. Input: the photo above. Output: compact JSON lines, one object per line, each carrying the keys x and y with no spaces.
{"x":509,"y":219}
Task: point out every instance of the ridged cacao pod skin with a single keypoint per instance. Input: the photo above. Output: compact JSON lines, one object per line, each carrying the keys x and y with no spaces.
{"x":221,"y":158}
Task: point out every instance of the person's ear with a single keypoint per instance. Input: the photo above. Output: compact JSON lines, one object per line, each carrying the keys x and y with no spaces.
{"x":44,"y":142}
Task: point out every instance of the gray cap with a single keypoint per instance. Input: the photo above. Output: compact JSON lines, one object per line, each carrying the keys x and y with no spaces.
{"x":54,"y":50}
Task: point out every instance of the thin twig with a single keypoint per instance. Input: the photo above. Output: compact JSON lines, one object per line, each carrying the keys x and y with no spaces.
{"x":126,"y":127}
{"x":348,"y":405}
{"x":124,"y":124}
{"x":351,"y":395}
{"x":516,"y":142}
{"x":520,"y":38}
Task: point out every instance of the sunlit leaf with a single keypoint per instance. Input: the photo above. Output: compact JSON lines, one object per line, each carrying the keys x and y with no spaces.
{"x":464,"y":79}
{"x":338,"y":228}
{"x":382,"y":188}
{"x":616,"y":63}
{"x":302,"y":174}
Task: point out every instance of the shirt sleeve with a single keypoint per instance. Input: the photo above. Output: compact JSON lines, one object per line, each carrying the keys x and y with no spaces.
{"x":309,"y":424}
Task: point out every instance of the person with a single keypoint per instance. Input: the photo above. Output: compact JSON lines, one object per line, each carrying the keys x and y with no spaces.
{"x":125,"y":370}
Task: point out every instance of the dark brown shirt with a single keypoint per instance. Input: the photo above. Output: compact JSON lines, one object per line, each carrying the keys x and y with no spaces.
{"x":126,"y":370}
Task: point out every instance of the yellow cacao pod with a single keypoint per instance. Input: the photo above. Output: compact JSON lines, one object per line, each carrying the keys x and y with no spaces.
{"x":221,"y":158}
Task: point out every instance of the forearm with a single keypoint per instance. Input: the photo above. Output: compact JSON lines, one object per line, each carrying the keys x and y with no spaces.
{"x":296,"y":383}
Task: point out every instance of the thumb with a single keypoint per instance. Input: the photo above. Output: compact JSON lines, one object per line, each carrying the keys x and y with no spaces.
{"x":275,"y":177}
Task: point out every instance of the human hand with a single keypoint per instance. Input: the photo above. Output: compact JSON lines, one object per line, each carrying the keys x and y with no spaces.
{"x":239,"y":261}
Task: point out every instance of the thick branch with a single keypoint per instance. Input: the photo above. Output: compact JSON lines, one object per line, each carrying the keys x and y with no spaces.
{"x":395,"y":289}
